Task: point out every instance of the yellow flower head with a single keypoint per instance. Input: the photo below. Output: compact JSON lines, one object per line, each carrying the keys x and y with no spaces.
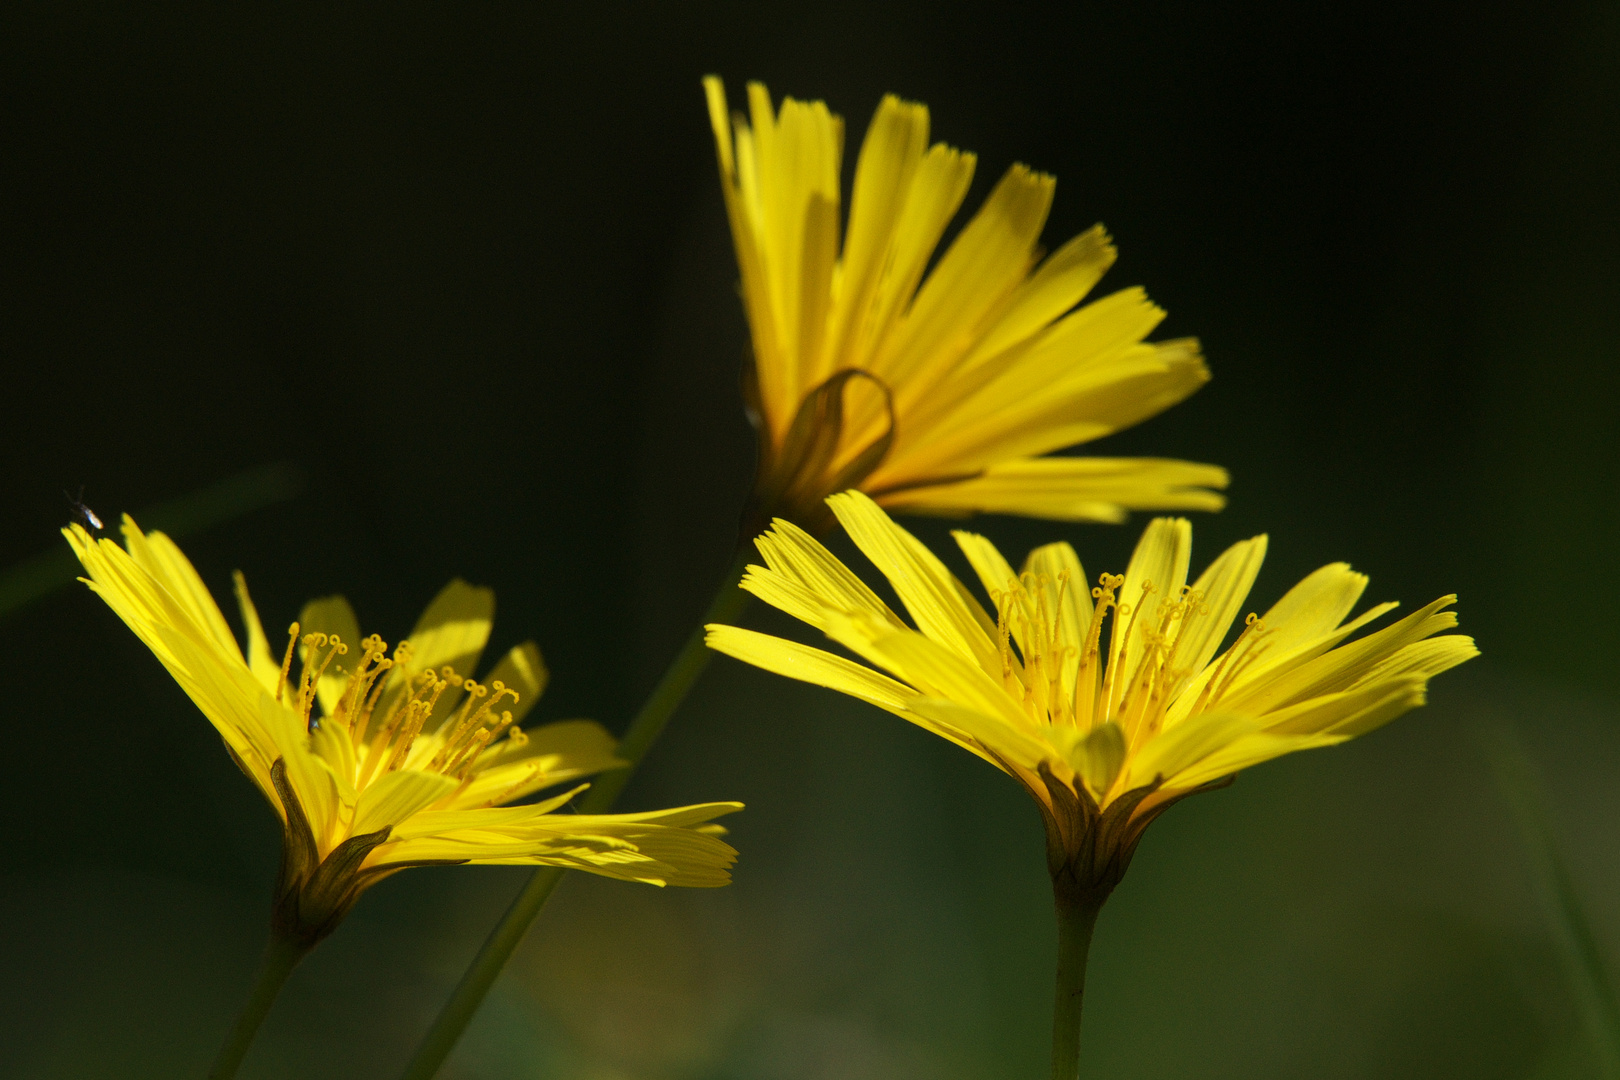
{"x":934,"y":395}
{"x":1107,"y":703}
{"x":376,"y":760}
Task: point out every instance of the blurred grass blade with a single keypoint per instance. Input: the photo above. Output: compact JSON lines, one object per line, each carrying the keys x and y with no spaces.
{"x":1577,"y":946}
{"x":229,"y":498}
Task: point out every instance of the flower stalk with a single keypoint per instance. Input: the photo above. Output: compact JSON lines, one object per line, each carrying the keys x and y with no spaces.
{"x":1077,"y":912}
{"x":281,"y":955}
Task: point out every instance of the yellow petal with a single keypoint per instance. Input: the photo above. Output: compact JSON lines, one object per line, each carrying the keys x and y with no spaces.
{"x":938,"y":603}
{"x":937,"y":190}
{"x":315,"y":787}
{"x":451,"y":633}
{"x":522,"y":669}
{"x":332,"y":744}
{"x":1078,"y":354}
{"x":1098,"y":757}
{"x":1178,"y":749}
{"x":933,"y":668}
{"x":1032,"y":409}
{"x":1058,"y":575}
{"x":983,"y":266}
{"x":454,"y":628}
{"x":1314,"y":607}
{"x":995,"y":573}
{"x":508,"y":821}
{"x":810,"y":665}
{"x":1070,"y":489}
{"x":1268,"y":663}
{"x":1423,"y":658}
{"x":806,"y":578}
{"x":396,"y":796}
{"x":157,"y":555}
{"x":740,"y":183}
{"x":332,"y":616}
{"x":1350,"y":712}
{"x":890,"y":155}
{"x":634,"y":847}
{"x":1244,"y":751}
{"x":797,"y":154}
{"x":1157,"y":571}
{"x":261,"y":662}
{"x":1223,"y":587}
{"x":1339,"y":669}
{"x":518,"y":774}
{"x":1060,"y":283}
{"x":979,"y":731}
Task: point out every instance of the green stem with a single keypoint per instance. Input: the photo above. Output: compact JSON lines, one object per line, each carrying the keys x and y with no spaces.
{"x":679,"y":678}
{"x":1076,"y":919}
{"x":280,"y":957}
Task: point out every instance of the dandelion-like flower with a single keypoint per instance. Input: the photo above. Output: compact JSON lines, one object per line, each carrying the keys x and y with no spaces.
{"x":379,"y":760}
{"x":934,"y":395}
{"x":1107,"y":703}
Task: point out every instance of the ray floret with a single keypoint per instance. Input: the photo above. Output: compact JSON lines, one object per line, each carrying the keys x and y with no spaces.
{"x":936,"y":386}
{"x":379,"y":759}
{"x":1110,"y":701}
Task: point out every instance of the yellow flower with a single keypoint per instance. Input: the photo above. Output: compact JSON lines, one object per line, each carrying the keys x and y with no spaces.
{"x":940,"y":395}
{"x":1104,"y":738}
{"x":377,"y":762}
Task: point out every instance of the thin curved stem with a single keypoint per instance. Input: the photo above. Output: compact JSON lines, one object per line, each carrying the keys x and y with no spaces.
{"x":280,"y":957}
{"x":1076,"y":919}
{"x":678,"y":679}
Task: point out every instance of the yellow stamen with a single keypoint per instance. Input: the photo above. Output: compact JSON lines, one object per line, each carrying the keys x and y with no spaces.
{"x":359,"y":680}
{"x":1221,"y":679}
{"x":286,"y":660}
{"x":1119,"y":648}
{"x":469,"y":726}
{"x":396,"y":718}
{"x":310,"y":676}
{"x":1091,"y":655}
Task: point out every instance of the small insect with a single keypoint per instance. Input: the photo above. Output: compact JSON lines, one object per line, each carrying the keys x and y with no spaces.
{"x":83,"y":512}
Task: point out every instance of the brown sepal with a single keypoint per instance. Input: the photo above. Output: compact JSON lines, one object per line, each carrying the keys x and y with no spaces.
{"x":1089,"y":849}
{"x":312,"y":894}
{"x":793,"y":481}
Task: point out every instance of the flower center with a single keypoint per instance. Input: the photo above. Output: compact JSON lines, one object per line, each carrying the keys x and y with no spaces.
{"x":389,"y":720}
{"x":1062,"y":681}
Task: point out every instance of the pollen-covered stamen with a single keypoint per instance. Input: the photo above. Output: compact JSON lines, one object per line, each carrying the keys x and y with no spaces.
{"x":416,"y":716}
{"x":462,"y":764}
{"x":1147,"y":699}
{"x":1037,"y":659}
{"x":1055,"y":652}
{"x":458,"y":724}
{"x":286,"y":660}
{"x":1088,"y":705}
{"x":1119,"y":648}
{"x":379,"y":687}
{"x":362,"y":680}
{"x":1174,"y":617}
{"x":397,"y":722}
{"x":1238,"y":659}
{"x":1004,"y":606}
{"x":315,"y":665}
{"x":468,"y":731}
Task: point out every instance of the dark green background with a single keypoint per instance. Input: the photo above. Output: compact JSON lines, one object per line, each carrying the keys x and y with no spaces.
{"x":466,"y":266}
